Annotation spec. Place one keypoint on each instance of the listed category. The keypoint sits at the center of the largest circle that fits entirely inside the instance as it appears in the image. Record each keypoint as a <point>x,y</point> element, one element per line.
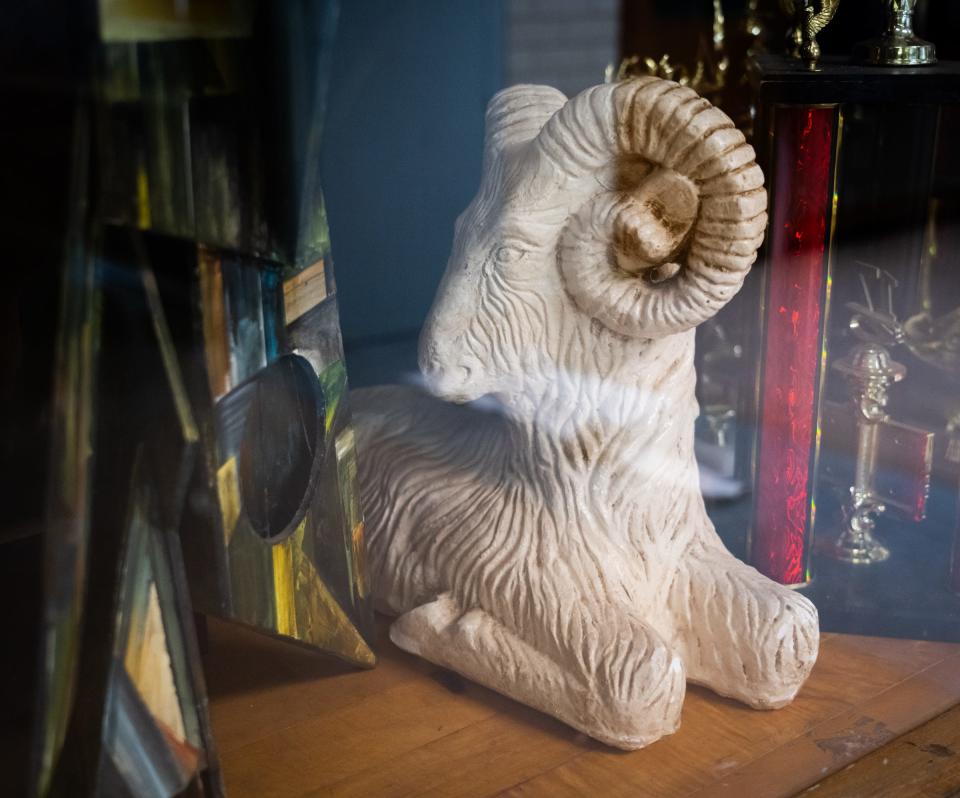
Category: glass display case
<point>202,511</point>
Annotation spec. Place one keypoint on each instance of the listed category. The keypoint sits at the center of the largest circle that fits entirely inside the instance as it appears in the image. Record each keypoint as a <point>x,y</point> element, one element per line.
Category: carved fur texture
<point>551,541</point>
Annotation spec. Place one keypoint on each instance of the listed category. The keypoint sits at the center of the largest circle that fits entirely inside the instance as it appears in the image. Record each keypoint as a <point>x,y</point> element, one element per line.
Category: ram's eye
<point>509,254</point>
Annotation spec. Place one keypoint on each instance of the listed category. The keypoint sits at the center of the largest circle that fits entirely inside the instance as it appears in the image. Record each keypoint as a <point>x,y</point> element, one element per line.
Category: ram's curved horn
<point>661,255</point>
<point>517,114</point>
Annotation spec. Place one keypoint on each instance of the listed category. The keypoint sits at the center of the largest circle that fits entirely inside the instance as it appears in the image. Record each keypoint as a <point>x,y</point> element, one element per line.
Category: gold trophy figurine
<point>809,18</point>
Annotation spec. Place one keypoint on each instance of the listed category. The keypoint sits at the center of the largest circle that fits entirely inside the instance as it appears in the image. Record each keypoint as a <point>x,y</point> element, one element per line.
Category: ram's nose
<point>446,375</point>
<point>430,353</point>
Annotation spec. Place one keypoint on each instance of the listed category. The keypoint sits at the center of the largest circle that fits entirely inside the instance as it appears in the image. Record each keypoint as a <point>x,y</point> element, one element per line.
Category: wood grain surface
<point>923,762</point>
<point>290,722</point>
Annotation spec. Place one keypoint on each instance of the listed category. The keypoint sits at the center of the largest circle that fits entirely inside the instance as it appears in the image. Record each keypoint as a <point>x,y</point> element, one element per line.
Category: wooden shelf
<point>290,722</point>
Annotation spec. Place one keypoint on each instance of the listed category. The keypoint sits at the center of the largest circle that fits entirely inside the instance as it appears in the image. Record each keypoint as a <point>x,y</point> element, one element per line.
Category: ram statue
<point>551,542</point>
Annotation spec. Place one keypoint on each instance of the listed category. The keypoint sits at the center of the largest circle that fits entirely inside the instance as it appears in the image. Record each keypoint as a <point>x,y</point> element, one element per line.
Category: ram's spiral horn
<point>668,246</point>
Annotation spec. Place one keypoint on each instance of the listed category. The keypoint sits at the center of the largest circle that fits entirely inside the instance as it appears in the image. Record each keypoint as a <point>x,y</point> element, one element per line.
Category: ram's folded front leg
<point>742,634</point>
<point>623,686</point>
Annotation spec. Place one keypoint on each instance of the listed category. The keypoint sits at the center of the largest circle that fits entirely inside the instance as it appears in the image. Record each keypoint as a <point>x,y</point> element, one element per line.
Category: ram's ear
<point>516,115</point>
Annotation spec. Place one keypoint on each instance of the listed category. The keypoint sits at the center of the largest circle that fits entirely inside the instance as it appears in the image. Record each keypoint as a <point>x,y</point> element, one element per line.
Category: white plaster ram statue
<point>558,551</point>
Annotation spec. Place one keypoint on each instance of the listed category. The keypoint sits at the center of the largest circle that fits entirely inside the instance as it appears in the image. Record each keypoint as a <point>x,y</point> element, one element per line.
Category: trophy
<point>898,46</point>
<point>892,461</point>
<point>852,450</point>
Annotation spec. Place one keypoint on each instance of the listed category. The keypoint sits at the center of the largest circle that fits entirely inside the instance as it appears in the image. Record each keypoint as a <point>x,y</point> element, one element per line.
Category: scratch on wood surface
<point>865,735</point>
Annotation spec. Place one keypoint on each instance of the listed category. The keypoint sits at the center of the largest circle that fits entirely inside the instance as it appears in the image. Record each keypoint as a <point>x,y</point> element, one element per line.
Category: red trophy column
<point>797,285</point>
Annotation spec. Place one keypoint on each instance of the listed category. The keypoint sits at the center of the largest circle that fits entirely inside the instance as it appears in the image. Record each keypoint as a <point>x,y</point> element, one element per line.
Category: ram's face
<point>487,314</point>
<point>457,353</point>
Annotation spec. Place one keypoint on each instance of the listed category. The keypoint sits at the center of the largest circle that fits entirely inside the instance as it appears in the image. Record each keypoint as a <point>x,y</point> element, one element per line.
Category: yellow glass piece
<point>228,492</point>
<point>283,584</point>
<point>358,561</point>
<point>307,609</point>
<point>147,661</point>
<point>143,199</point>
<point>162,20</point>
<point>216,347</point>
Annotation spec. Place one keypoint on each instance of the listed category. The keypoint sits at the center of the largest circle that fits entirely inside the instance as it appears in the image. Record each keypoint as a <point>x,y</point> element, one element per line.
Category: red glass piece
<point>797,274</point>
